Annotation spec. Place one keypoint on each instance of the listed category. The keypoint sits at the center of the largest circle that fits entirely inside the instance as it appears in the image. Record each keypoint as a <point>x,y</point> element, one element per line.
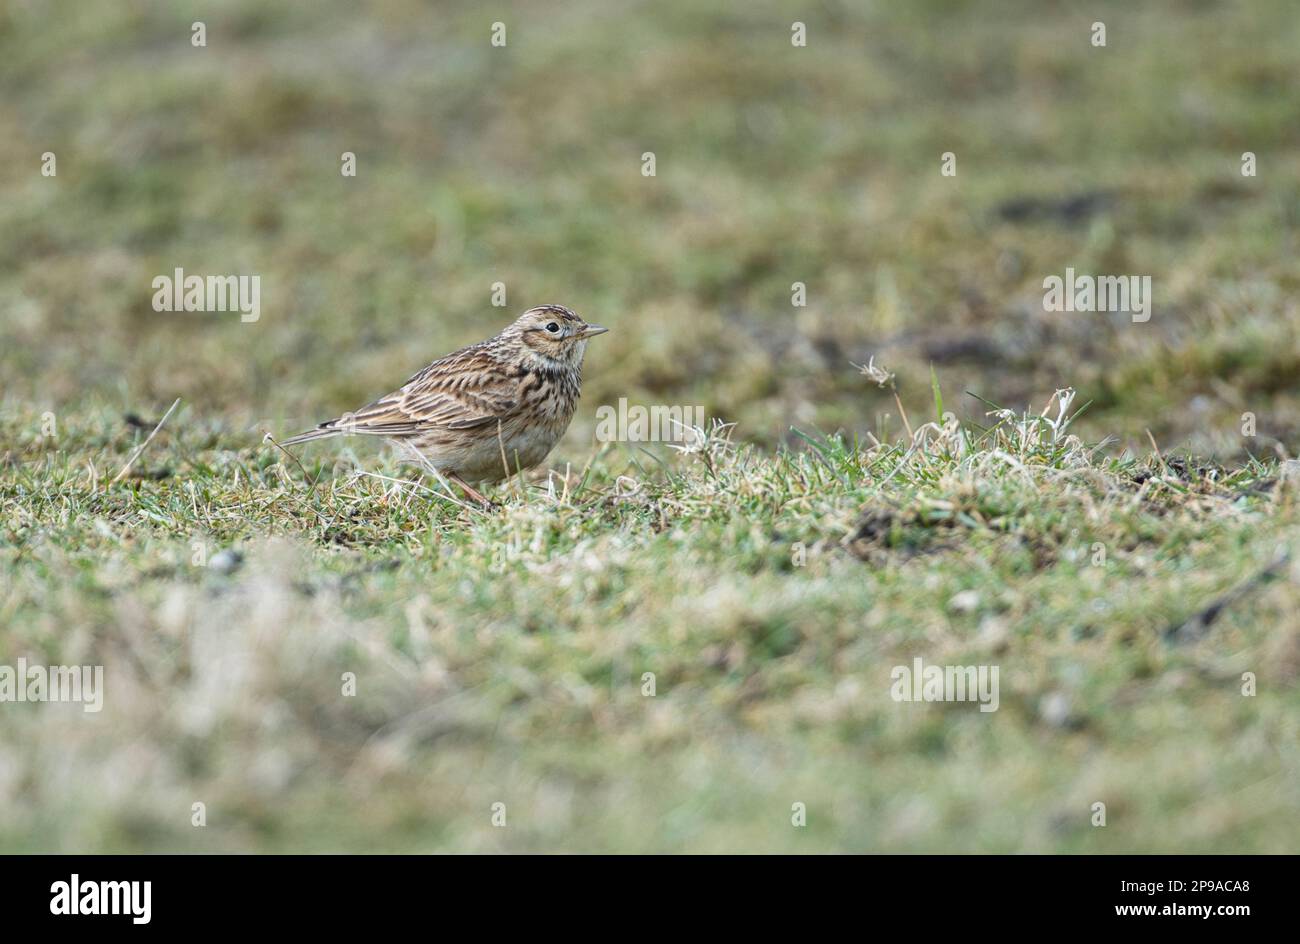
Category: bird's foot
<point>474,494</point>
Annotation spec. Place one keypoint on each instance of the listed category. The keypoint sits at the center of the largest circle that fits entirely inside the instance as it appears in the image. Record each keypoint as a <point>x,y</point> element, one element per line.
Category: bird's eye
<point>552,327</point>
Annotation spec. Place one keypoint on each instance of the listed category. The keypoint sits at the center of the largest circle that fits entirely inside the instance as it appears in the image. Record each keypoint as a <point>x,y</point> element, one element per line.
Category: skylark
<point>486,410</point>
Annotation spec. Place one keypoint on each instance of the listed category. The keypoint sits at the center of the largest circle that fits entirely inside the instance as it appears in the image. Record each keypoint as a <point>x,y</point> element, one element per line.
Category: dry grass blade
<point>139,449</point>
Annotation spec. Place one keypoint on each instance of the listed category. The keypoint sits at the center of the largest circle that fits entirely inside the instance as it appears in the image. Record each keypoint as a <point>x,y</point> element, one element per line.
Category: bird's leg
<point>472,492</point>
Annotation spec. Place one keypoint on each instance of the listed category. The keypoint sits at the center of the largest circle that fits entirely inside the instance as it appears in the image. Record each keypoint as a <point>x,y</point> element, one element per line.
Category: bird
<point>487,410</point>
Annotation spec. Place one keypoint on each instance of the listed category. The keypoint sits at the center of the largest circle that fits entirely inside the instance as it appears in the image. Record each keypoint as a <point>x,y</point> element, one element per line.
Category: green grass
<point>500,656</point>
<point>770,581</point>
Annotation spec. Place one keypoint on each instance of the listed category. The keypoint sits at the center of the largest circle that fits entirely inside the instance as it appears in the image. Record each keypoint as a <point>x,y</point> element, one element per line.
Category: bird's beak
<point>592,330</point>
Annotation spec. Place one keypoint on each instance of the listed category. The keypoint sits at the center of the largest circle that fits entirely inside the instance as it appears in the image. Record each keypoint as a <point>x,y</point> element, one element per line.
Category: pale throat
<point>569,359</point>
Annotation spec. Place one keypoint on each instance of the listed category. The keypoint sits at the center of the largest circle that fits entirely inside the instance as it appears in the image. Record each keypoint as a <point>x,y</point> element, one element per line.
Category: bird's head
<point>555,334</point>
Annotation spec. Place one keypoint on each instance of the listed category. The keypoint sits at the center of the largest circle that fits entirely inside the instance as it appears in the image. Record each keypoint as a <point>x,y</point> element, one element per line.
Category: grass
<point>769,580</point>
<point>501,657</point>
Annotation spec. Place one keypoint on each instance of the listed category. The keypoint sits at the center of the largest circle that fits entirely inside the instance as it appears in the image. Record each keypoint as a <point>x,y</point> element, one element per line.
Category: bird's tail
<point>323,431</point>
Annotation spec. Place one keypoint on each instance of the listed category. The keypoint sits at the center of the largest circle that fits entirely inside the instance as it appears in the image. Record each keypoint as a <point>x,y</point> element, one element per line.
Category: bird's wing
<point>464,390</point>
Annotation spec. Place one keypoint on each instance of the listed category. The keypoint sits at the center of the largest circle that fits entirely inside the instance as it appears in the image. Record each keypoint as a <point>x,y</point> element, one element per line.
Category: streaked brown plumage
<point>514,393</point>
